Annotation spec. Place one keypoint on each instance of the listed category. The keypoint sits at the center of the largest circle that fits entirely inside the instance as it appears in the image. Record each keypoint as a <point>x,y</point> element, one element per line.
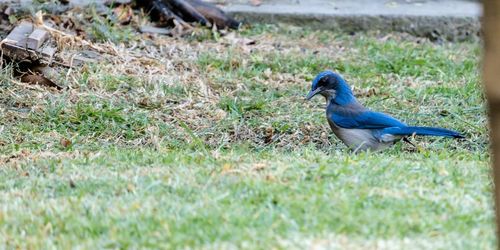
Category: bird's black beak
<point>312,93</point>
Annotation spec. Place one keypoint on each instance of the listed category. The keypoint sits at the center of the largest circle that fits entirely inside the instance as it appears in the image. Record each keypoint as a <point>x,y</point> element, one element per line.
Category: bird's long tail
<point>430,131</point>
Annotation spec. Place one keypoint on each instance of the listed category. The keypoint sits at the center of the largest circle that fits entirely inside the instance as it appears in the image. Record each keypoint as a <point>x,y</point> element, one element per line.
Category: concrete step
<point>436,19</point>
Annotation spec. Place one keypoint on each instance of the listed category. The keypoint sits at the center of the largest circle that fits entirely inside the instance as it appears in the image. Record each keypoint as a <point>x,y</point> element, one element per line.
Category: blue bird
<point>358,127</point>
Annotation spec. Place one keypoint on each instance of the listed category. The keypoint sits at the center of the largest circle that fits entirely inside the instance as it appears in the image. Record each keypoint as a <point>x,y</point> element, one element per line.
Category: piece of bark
<point>214,15</point>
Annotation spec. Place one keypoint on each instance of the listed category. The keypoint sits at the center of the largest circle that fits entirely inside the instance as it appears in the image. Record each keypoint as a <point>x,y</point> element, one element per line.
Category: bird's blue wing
<point>364,120</point>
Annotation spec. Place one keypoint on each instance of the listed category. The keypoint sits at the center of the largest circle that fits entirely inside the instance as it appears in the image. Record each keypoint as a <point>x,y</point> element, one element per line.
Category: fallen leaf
<point>130,188</point>
<point>123,13</point>
<point>259,166</point>
<point>226,167</point>
<point>269,133</point>
<point>65,143</point>
<point>232,38</point>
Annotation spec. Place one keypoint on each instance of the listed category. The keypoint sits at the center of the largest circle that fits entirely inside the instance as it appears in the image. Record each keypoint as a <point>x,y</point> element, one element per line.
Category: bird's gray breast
<point>360,139</point>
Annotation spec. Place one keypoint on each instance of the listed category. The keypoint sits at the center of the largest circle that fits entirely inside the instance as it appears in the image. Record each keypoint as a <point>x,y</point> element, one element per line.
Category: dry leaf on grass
<point>65,143</point>
<point>123,13</point>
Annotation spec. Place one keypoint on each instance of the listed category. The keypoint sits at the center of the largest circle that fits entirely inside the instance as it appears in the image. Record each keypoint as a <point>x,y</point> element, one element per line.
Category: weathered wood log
<point>193,11</point>
<point>186,11</point>
<point>215,15</point>
<point>164,11</point>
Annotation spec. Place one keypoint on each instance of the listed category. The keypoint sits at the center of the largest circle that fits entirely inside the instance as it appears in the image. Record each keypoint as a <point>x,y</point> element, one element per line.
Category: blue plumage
<point>365,120</point>
<point>421,131</point>
<point>359,127</point>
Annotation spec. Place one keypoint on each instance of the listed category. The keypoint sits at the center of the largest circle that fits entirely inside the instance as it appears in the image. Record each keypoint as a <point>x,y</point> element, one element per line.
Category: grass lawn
<point>206,142</point>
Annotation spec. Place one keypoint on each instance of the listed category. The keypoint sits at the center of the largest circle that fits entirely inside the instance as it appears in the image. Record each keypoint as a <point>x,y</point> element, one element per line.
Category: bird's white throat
<point>329,94</point>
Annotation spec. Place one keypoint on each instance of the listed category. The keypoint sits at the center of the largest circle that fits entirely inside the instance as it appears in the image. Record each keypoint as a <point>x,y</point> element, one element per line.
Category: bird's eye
<point>323,81</point>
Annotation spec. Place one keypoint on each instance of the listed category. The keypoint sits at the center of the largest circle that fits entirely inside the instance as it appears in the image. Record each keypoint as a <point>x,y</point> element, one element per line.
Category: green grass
<point>213,147</point>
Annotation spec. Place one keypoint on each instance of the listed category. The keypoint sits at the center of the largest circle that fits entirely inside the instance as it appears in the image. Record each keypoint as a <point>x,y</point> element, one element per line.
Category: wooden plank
<point>48,54</point>
<point>79,60</point>
<point>48,51</point>
<point>18,53</point>
<point>25,43</point>
<point>35,39</point>
<point>491,80</point>
<point>19,33</point>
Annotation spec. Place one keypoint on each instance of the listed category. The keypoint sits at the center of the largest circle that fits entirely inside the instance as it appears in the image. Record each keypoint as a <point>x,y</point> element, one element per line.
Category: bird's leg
<point>358,148</point>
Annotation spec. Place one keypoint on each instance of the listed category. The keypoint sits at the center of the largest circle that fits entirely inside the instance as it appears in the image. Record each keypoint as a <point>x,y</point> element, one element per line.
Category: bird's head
<point>330,85</point>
